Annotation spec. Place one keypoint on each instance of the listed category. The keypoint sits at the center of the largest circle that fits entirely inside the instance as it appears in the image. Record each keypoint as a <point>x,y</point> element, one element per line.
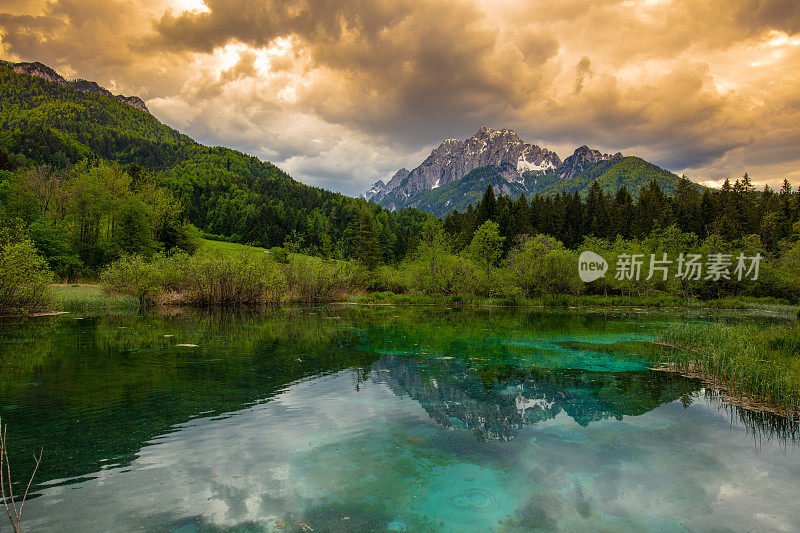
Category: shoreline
<point>91,296</point>
<point>690,367</point>
<point>723,389</point>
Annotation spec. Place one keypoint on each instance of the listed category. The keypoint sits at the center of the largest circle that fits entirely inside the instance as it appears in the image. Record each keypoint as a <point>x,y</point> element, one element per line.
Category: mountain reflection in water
<point>398,419</point>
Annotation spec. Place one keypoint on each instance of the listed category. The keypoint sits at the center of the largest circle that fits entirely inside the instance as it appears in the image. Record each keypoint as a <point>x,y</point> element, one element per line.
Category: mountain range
<point>457,173</point>
<point>48,119</point>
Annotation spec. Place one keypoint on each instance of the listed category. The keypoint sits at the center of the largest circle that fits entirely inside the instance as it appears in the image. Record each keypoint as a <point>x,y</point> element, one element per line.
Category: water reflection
<point>387,419</point>
<point>456,395</point>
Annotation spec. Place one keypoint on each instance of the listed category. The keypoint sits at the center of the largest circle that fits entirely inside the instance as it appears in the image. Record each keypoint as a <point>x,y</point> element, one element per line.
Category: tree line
<point>732,212</point>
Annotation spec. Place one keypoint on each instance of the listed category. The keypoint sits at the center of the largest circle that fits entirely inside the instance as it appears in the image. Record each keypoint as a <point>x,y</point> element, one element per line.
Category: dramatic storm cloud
<point>340,93</point>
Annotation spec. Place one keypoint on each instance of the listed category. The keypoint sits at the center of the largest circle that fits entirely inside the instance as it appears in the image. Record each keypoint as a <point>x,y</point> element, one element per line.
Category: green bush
<point>382,279</point>
<point>24,279</point>
<point>311,280</point>
<point>135,276</point>
<point>279,254</point>
<point>231,280</point>
<point>525,264</point>
<point>226,279</point>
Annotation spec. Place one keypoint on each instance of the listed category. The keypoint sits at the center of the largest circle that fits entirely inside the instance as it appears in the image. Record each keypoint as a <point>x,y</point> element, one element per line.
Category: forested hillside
<point>63,135</point>
<point>633,173</point>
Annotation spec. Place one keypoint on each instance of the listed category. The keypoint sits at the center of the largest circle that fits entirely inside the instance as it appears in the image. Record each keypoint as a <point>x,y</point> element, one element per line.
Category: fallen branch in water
<point>14,513</point>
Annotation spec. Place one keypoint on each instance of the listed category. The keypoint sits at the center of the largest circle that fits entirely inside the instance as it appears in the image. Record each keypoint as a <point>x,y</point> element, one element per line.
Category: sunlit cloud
<point>342,93</point>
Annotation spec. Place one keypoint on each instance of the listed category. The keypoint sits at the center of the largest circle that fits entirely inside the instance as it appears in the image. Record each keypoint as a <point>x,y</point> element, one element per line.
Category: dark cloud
<point>582,70</point>
<point>258,23</point>
<point>342,92</point>
<point>772,14</point>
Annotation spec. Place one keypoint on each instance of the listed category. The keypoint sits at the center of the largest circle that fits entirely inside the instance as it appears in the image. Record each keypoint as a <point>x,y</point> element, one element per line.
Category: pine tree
<point>368,251</point>
<point>487,208</point>
<point>622,212</point>
<point>595,212</point>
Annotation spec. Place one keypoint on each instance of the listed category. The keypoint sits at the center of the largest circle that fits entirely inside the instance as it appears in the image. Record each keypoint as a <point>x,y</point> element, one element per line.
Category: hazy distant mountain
<point>458,172</point>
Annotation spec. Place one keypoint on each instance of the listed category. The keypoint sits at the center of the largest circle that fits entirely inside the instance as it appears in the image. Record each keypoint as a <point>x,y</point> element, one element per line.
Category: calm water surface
<point>389,419</point>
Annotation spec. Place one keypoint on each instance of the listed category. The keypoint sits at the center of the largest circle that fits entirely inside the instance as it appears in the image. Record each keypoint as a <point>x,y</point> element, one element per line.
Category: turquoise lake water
<point>380,419</point>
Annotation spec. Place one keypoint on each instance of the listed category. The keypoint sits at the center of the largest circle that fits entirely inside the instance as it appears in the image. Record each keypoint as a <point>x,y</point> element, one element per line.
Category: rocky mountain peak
<point>582,158</point>
<point>511,166</point>
<point>37,69</point>
<point>380,190</point>
<point>454,159</point>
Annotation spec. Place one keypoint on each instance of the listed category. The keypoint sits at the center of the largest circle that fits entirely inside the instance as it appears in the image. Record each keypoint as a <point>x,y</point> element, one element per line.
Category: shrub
<point>525,264</point>
<point>279,254</point>
<point>559,273</point>
<point>202,279</point>
<point>434,272</point>
<point>24,279</point>
<point>231,280</point>
<point>134,276</point>
<point>383,279</point>
<point>310,280</point>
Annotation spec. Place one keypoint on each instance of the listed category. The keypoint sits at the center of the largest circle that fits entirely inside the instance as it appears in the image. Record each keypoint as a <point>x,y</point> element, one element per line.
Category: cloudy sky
<point>340,93</point>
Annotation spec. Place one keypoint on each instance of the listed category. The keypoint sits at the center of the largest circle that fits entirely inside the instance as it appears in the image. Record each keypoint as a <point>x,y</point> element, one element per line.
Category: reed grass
<point>758,364</point>
<point>216,279</point>
<point>89,297</point>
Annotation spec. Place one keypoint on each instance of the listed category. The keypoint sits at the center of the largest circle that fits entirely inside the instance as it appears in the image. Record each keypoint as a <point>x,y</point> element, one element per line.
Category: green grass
<point>88,297</point>
<point>757,363</point>
<point>228,247</point>
<point>214,246</point>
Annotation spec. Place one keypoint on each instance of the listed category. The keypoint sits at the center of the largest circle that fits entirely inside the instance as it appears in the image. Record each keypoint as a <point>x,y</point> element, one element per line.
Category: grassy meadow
<point>224,247</point>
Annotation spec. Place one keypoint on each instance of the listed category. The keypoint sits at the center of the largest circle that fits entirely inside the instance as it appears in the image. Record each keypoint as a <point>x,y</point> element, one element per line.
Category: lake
<point>380,419</point>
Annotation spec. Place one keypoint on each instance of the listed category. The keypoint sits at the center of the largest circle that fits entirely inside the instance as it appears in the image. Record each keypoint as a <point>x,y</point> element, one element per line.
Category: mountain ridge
<point>512,167</point>
<point>40,70</point>
<point>222,191</point>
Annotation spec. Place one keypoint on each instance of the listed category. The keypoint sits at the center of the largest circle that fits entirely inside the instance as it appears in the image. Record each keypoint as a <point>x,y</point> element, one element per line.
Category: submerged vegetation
<point>758,365</point>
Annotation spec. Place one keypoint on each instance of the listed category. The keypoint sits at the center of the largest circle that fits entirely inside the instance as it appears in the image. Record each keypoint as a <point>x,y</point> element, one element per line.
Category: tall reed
<point>759,363</point>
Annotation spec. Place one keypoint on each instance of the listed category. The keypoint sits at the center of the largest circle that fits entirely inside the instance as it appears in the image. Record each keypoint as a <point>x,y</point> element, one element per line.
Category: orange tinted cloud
<point>342,92</point>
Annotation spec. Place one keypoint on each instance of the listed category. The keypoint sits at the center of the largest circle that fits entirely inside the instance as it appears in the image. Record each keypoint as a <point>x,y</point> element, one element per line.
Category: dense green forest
<point>54,139</point>
<point>509,251</point>
<point>733,212</point>
<point>87,181</point>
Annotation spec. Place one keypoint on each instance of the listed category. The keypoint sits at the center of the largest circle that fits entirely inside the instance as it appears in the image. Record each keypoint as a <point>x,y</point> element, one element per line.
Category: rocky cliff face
<point>43,71</point>
<point>454,159</point>
<point>513,159</point>
<point>380,190</point>
<point>37,69</point>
